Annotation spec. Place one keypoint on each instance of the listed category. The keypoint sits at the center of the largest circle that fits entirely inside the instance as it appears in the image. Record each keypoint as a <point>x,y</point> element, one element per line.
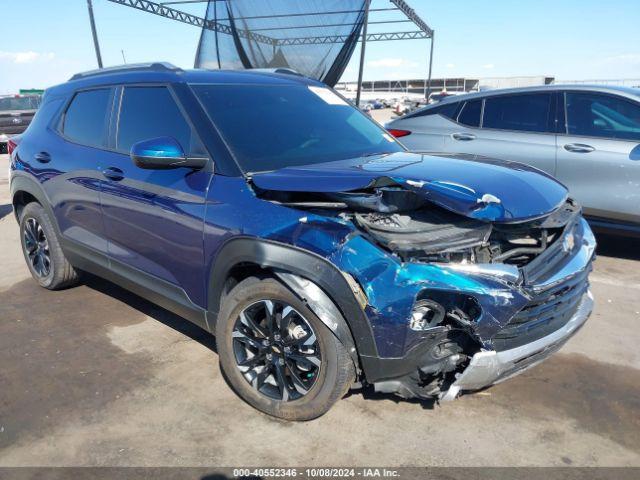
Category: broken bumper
<point>490,367</point>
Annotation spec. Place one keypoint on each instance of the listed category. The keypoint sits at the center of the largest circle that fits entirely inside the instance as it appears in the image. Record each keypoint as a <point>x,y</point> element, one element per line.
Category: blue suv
<point>269,211</point>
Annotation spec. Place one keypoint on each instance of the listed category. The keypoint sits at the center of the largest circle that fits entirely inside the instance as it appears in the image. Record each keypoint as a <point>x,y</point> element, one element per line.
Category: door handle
<point>113,173</point>
<point>463,137</point>
<point>578,148</point>
<point>42,157</point>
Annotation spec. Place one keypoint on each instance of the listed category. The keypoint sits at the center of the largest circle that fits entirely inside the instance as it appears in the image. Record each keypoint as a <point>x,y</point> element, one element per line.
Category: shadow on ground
<point>618,246</point>
<point>5,210</point>
<point>152,310</point>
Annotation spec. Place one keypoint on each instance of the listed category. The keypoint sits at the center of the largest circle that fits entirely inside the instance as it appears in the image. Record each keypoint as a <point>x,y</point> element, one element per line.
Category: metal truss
<point>424,32</point>
<point>180,16</point>
<point>413,16</point>
<point>371,37</point>
<point>184,17</point>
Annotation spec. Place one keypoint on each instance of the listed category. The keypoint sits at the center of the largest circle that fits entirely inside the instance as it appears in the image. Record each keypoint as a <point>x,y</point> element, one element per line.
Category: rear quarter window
<point>446,110</point>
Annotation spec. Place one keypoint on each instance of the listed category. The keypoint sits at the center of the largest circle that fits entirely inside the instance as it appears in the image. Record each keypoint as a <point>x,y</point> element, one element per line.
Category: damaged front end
<point>463,288</point>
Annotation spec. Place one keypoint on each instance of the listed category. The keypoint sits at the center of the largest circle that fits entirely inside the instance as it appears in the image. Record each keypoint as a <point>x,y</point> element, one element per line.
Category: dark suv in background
<point>16,113</point>
<point>266,209</point>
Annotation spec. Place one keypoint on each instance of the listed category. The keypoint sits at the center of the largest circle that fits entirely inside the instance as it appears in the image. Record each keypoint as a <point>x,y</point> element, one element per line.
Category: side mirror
<point>163,153</point>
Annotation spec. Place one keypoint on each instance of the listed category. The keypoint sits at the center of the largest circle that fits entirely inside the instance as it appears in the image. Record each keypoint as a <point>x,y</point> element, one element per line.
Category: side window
<point>86,119</point>
<point>528,113</point>
<point>597,115</point>
<point>151,112</point>
<point>447,110</point>
<point>470,113</point>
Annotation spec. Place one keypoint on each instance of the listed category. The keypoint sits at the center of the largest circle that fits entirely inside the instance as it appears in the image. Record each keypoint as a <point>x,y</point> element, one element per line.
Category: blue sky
<point>44,42</point>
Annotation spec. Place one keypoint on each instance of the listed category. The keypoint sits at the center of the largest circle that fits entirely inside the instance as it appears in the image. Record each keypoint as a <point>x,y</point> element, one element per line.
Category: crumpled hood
<point>477,187</point>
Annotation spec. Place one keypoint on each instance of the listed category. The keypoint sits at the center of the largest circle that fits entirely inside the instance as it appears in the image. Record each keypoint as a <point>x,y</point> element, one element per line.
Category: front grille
<point>545,313</point>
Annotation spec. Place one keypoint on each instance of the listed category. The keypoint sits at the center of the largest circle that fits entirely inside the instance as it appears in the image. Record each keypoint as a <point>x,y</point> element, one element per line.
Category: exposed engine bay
<point>416,230</point>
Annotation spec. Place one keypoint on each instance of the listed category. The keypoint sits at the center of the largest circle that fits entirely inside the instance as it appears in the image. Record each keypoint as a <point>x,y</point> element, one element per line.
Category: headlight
<point>426,314</point>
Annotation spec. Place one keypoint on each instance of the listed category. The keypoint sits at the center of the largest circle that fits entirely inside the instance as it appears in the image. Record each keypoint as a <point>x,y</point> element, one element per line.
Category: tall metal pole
<point>362,49</point>
<point>428,93</point>
<point>96,44</point>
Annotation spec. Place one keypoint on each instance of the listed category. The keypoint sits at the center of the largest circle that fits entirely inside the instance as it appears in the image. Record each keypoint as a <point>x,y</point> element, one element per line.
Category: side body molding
<point>294,265</point>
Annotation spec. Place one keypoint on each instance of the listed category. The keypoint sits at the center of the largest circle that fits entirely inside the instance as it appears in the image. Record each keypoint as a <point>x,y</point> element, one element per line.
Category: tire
<point>51,269</point>
<point>330,379</point>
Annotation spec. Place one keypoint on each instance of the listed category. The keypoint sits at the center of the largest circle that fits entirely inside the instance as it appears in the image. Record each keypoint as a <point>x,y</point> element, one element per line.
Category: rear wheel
<point>42,251</point>
<point>277,355</point>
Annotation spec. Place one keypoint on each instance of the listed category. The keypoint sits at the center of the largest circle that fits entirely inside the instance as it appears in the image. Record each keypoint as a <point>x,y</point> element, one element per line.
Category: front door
<point>154,219</point>
<point>599,155</point>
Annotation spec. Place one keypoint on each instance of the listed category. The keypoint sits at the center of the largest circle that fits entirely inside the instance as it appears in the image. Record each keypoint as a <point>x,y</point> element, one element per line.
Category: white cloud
<point>26,57</point>
<point>623,59</point>
<point>488,66</point>
<point>451,65</point>
<point>391,63</point>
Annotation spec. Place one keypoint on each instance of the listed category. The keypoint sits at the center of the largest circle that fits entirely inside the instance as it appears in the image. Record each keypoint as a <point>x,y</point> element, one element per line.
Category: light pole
<point>362,50</point>
<point>96,44</point>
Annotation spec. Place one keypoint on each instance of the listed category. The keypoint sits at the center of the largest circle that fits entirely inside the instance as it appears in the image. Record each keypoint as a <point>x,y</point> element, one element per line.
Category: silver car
<point>586,136</point>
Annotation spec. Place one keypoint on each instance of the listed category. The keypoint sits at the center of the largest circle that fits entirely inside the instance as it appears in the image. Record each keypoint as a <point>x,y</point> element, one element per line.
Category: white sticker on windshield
<point>328,96</point>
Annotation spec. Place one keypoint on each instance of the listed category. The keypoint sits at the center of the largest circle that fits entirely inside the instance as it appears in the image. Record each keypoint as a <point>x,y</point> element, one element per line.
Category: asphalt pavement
<point>97,376</point>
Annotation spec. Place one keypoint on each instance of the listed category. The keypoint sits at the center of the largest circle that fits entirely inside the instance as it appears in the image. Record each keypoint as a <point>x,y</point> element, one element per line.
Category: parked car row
<point>586,136</point>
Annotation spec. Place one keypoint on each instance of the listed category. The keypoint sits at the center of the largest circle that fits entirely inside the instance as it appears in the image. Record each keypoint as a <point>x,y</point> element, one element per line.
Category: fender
<point>324,308</point>
<point>23,182</point>
<point>287,259</point>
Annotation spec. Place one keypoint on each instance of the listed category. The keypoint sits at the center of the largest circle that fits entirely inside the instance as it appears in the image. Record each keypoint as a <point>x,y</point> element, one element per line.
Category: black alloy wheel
<point>36,247</point>
<point>276,350</point>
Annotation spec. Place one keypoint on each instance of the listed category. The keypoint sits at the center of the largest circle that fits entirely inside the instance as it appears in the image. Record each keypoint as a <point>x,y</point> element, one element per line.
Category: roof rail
<point>131,67</point>
<point>284,70</point>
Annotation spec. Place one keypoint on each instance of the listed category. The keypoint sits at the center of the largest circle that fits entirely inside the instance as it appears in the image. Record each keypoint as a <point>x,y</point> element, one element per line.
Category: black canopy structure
<point>316,21</point>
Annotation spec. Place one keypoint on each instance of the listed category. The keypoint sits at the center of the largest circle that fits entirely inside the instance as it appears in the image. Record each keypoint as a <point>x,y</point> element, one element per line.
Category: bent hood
<point>477,187</point>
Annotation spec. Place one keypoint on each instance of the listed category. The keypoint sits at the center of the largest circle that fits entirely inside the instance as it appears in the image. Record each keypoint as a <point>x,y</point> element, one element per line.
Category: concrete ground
<point>97,376</point>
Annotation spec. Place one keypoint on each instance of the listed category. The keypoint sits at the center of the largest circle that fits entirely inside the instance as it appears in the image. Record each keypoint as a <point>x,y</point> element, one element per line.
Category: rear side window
<point>529,113</point>
<point>86,119</point>
<point>597,115</point>
<point>470,113</point>
<point>152,112</point>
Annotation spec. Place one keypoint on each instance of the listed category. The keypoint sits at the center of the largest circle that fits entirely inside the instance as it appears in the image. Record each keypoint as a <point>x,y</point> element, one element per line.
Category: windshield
<point>19,103</point>
<point>271,127</point>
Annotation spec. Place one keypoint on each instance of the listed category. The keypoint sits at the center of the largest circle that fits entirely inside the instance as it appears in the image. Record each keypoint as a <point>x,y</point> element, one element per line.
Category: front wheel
<point>277,355</point>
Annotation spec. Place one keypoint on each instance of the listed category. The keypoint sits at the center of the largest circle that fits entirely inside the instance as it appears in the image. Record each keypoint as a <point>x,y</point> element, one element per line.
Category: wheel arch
<point>25,190</point>
<point>290,265</point>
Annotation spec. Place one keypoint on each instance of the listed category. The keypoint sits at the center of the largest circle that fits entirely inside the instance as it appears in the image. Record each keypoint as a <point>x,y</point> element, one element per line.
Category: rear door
<point>599,154</point>
<point>516,127</point>
<point>68,164</point>
<point>154,219</point>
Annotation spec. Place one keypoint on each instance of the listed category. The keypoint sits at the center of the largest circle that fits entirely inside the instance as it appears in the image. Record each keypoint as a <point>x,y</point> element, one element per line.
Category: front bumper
<point>489,367</point>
